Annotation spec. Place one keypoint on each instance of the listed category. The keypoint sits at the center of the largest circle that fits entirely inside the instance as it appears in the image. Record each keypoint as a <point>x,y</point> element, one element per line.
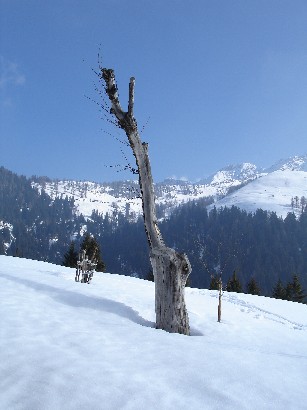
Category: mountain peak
<point>238,174</point>
<point>295,163</point>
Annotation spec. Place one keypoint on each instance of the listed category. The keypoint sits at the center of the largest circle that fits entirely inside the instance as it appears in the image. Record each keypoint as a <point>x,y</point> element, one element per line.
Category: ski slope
<point>67,345</point>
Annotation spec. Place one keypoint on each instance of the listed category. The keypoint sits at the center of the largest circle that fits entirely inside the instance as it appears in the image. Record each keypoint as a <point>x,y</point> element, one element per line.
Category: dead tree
<point>170,268</point>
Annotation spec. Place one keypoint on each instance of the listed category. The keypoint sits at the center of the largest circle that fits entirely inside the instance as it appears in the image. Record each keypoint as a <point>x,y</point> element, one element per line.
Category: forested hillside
<point>32,225</point>
<point>261,246</point>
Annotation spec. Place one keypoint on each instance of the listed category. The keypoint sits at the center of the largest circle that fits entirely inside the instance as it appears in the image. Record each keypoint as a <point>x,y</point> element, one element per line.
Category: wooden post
<point>219,309</point>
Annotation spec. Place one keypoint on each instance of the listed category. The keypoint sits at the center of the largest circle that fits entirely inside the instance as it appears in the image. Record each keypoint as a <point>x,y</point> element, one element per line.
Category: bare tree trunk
<point>170,268</point>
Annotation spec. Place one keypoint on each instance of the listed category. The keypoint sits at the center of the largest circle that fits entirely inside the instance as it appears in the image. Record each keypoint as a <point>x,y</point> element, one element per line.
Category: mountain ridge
<point>124,197</point>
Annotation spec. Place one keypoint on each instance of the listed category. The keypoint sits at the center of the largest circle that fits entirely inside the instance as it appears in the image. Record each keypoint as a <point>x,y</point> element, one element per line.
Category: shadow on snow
<point>74,299</point>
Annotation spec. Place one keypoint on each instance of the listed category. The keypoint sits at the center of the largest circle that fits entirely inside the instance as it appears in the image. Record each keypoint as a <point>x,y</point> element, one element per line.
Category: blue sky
<point>217,82</point>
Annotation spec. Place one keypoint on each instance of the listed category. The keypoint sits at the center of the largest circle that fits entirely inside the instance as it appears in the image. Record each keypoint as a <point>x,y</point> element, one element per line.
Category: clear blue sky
<point>217,82</point>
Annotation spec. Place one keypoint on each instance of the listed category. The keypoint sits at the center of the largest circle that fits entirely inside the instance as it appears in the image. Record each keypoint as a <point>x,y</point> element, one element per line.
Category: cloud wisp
<point>10,74</point>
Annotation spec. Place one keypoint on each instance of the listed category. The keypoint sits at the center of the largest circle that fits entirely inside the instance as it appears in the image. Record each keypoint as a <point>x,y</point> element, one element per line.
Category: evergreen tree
<point>253,288</point>
<point>214,283</point>
<point>2,249</point>
<point>91,246</point>
<point>289,292</point>
<point>297,290</point>
<point>279,291</point>
<point>233,284</point>
<point>71,256</point>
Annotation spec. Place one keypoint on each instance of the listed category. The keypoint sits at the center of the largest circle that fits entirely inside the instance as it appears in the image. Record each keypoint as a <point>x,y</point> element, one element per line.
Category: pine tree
<point>214,283</point>
<point>2,249</point>
<point>279,291</point>
<point>297,290</point>
<point>91,246</point>
<point>71,256</point>
<point>289,292</point>
<point>253,288</point>
<point>233,284</point>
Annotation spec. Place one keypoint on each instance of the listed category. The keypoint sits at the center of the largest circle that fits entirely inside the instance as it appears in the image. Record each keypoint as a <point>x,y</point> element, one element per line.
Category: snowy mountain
<point>112,198</point>
<point>233,175</point>
<point>244,185</point>
<point>297,163</point>
<point>67,345</point>
<point>281,189</point>
<point>123,196</point>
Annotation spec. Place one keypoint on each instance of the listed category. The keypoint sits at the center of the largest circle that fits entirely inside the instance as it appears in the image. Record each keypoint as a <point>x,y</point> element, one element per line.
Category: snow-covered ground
<point>67,345</point>
<point>272,192</point>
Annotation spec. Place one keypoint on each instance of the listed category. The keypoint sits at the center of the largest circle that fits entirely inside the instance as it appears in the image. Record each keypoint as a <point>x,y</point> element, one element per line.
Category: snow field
<point>272,192</point>
<point>67,345</point>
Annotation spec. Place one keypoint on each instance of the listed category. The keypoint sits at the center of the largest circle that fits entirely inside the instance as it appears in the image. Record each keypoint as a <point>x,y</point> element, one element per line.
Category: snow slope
<point>67,345</point>
<point>272,192</point>
<point>115,197</point>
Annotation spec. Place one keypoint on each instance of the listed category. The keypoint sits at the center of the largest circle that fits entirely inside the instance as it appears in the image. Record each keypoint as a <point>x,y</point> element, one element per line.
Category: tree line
<point>292,291</point>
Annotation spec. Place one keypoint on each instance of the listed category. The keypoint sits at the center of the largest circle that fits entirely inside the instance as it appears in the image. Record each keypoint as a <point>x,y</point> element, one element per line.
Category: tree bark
<point>170,268</point>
